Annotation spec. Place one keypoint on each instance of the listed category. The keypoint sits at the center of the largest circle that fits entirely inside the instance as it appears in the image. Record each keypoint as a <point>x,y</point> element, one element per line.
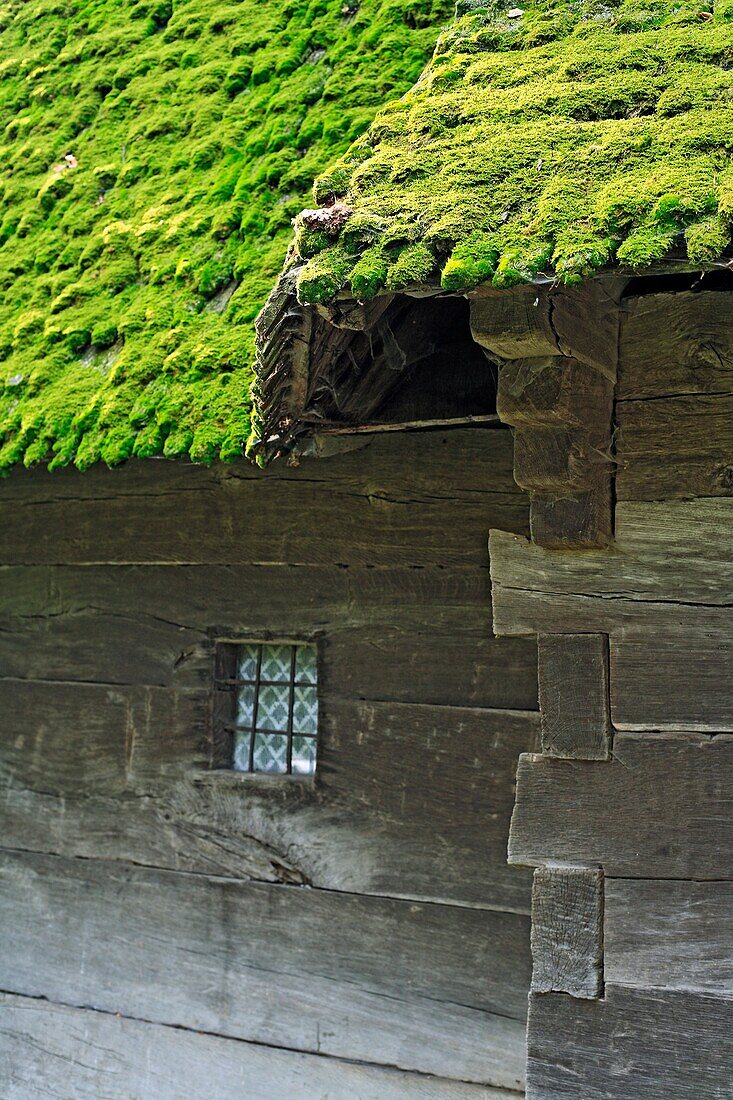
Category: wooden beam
<point>661,808</point>
<point>632,1044</point>
<point>79,1054</point>
<point>567,932</point>
<point>396,986</point>
<point>388,504</point>
<point>574,700</point>
<point>664,934</point>
<point>562,410</point>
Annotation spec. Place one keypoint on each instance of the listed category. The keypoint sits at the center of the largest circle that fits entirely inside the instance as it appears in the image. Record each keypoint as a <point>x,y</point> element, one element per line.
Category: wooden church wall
<point>626,814</point>
<point>154,910</point>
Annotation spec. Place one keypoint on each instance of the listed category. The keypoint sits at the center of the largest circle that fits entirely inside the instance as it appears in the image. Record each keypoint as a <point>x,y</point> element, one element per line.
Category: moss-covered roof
<point>550,139</point>
<point>152,156</point>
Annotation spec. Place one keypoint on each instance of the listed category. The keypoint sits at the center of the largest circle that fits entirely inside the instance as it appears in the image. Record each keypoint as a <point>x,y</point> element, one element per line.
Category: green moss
<point>574,136</point>
<point>152,156</point>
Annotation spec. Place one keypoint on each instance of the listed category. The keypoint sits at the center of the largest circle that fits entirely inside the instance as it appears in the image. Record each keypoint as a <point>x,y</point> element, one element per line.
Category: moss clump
<point>553,141</point>
<point>152,156</point>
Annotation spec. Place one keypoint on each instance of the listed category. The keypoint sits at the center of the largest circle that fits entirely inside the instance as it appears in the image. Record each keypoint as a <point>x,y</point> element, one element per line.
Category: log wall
<point>627,814</point>
<point>167,927</point>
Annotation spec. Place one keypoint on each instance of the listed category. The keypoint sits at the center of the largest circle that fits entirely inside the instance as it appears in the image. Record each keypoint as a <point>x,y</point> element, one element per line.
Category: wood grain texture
<point>631,1044</point>
<point>412,635</point>
<point>677,551</point>
<point>79,1054</point>
<point>574,701</point>
<point>567,932</point>
<point>122,773</point>
<point>562,457</point>
<point>668,578</point>
<point>675,447</point>
<point>512,325</point>
<point>390,503</point>
<point>670,935</point>
<point>676,344</point>
<point>367,979</point>
<point>660,808</point>
<point>675,397</point>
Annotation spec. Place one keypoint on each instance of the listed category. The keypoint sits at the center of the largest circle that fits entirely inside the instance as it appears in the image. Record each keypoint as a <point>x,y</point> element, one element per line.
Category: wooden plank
<point>512,324</point>
<point>75,739</point>
<point>574,701</point>
<point>411,635</point>
<point>659,1046</point>
<point>682,680</point>
<point>670,935</point>
<point>669,577</point>
<point>566,520</point>
<point>79,1054</point>
<point>567,932</point>
<point>422,499</point>
<point>675,447</point>
<point>661,808</point>
<point>676,344</point>
<point>122,773</point>
<point>675,551</point>
<point>420,987</point>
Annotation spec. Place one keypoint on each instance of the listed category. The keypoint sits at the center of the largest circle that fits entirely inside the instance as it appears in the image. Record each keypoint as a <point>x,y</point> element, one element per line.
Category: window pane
<point>271,752</point>
<point>240,762</point>
<point>305,710</point>
<point>273,705</point>
<point>276,663</point>
<point>304,755</point>
<point>247,663</point>
<point>245,705</point>
<point>305,663</point>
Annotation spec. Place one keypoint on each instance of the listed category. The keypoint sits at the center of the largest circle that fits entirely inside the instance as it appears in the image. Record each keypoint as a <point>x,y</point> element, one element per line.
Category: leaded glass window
<point>267,707</point>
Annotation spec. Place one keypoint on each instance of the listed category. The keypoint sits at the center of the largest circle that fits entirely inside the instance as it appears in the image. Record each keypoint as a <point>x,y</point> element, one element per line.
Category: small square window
<point>266,707</point>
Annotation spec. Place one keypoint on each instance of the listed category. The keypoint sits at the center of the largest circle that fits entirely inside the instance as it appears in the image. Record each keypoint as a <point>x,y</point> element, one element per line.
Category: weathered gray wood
<point>573,690</point>
<point>676,344</point>
<point>122,773</point>
<point>674,405</point>
<point>661,808</point>
<point>670,935</point>
<point>676,551</point>
<point>514,324</point>
<point>668,581</point>
<point>675,447</point>
<point>586,321</point>
<point>79,1054</point>
<point>632,1044</point>
<point>564,519</point>
<point>388,504</point>
<point>423,987</point>
<point>562,456</point>
<point>413,635</point>
<point>567,931</point>
<point>582,322</point>
<point>675,677</point>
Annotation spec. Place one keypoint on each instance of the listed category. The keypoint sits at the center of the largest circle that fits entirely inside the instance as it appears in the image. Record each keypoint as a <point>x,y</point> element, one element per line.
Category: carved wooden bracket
<point>557,351</point>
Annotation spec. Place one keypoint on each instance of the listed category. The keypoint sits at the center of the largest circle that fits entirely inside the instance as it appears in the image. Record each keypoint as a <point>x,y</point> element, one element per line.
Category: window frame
<point>224,705</point>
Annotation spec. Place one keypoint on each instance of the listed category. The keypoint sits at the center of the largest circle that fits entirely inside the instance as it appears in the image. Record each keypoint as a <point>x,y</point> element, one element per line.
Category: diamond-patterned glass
<point>273,707</point>
<point>305,664</point>
<point>305,710</point>
<point>276,663</point>
<point>247,663</point>
<point>304,755</point>
<point>273,721</point>
<point>240,760</point>
<point>271,752</point>
<point>245,705</point>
